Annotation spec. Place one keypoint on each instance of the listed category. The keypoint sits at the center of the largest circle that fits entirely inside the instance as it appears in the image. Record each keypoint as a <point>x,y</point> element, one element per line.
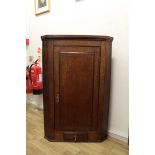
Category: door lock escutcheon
<point>57,99</point>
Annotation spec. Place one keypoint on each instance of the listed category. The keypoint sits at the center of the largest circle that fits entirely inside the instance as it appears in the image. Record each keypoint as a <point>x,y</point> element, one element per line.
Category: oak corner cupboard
<point>76,80</point>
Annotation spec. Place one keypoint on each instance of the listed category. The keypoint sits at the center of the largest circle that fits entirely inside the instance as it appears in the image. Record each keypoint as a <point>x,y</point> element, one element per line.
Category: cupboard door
<point>76,77</point>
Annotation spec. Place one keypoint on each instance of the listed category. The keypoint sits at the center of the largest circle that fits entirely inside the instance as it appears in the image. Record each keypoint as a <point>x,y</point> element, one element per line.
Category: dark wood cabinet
<point>76,81</point>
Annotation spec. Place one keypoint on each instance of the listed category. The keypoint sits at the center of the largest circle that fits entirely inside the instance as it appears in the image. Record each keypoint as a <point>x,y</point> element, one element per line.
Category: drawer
<point>75,137</point>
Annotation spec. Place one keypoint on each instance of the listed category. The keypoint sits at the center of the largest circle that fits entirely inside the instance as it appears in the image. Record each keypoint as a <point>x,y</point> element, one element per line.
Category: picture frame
<point>42,6</point>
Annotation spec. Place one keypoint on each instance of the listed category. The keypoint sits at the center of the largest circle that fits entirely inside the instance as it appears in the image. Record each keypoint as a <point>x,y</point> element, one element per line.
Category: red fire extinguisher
<point>36,78</point>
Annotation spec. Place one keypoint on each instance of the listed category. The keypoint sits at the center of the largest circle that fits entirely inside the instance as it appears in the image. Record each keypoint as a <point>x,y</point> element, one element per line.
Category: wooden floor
<point>37,145</point>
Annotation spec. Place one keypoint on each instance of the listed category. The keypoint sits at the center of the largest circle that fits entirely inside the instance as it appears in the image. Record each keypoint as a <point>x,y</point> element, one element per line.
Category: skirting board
<point>118,137</point>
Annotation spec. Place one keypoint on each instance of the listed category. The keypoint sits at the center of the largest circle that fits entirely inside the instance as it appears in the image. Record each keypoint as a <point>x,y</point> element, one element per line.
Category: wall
<point>95,17</point>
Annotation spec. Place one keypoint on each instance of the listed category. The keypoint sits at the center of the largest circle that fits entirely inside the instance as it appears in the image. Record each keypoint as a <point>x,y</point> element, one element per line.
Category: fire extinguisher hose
<point>30,73</point>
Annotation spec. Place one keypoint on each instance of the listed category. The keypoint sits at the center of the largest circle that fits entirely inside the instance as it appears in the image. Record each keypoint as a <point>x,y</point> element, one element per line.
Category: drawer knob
<point>75,138</point>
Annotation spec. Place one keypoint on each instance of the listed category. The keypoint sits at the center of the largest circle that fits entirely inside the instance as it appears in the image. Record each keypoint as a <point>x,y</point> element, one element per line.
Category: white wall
<point>94,17</point>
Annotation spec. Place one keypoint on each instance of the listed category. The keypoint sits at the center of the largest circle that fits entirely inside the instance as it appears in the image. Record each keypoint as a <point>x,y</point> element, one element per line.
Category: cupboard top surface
<point>77,37</point>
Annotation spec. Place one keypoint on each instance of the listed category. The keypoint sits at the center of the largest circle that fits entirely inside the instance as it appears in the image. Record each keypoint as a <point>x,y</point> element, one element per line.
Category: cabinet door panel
<point>76,75</point>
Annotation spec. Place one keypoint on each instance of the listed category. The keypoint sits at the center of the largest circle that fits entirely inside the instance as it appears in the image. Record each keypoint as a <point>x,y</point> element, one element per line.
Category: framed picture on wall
<point>42,6</point>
